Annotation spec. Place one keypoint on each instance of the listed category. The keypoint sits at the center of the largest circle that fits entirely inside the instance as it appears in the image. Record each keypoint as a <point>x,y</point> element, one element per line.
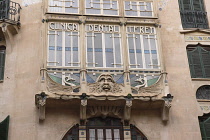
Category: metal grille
<point>9,11</point>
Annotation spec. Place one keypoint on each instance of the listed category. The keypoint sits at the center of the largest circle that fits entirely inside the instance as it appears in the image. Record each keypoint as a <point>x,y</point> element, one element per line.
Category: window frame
<point>63,46</point>
<point>193,18</point>
<point>2,62</point>
<point>142,45</point>
<point>190,49</point>
<point>63,8</point>
<point>103,47</point>
<point>138,10</point>
<point>102,9</point>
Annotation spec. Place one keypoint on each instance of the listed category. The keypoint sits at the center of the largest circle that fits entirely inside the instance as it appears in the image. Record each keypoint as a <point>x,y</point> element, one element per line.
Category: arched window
<point>104,129</point>
<point>2,62</point>
<point>199,60</point>
<point>203,92</point>
<point>72,134</point>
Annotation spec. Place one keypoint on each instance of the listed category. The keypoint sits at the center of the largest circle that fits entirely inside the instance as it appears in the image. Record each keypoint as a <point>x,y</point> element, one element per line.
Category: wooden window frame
<point>190,49</point>
<point>2,62</point>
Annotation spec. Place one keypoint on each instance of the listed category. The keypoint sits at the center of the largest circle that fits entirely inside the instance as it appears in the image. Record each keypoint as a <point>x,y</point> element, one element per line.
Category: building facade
<point>104,69</point>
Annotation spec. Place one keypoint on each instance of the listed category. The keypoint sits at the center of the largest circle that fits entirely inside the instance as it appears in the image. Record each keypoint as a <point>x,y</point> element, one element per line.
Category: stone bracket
<point>166,107</point>
<point>83,110</point>
<point>127,111</point>
<point>41,104</point>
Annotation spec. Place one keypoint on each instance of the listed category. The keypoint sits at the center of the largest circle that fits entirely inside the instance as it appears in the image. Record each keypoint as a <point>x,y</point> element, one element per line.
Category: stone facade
<point>41,109</point>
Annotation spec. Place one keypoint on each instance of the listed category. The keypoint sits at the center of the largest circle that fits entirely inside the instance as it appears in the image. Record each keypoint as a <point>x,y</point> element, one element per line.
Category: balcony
<point>10,12</point>
<point>194,19</point>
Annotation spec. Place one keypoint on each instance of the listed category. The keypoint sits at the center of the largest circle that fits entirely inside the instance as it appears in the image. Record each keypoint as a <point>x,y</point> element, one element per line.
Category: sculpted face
<point>106,82</point>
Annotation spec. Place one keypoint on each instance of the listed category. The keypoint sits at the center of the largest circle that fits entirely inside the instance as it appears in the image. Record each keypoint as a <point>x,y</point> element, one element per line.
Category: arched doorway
<point>104,129</point>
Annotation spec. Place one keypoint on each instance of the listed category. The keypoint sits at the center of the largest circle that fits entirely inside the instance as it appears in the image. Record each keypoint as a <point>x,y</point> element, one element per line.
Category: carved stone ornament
<point>40,103</point>
<point>166,107</point>
<point>94,111</point>
<point>83,110</point>
<point>83,102</point>
<point>57,88</point>
<point>105,83</point>
<point>151,91</point>
<point>128,103</point>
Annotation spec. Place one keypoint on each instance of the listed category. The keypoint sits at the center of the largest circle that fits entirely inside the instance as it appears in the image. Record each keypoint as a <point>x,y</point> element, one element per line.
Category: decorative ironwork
<point>194,19</point>
<point>10,11</point>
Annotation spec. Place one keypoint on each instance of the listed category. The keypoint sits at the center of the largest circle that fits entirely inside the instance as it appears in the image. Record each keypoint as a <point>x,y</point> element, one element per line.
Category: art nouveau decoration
<point>57,88</point>
<point>104,84</point>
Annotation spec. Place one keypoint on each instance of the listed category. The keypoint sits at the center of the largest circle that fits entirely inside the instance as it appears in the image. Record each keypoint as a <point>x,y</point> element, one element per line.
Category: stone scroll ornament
<point>105,83</point>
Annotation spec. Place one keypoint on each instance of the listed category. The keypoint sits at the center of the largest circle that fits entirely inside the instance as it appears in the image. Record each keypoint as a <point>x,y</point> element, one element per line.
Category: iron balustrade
<point>194,19</point>
<point>10,11</point>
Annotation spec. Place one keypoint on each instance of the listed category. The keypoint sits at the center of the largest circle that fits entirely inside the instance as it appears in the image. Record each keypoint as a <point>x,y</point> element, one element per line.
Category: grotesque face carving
<point>106,81</point>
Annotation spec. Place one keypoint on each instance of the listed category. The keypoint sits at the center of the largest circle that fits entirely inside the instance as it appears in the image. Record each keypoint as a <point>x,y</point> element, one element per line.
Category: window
<point>102,7</point>
<point>64,6</point>
<point>203,92</point>
<point>138,8</point>
<point>142,47</point>
<point>63,49</point>
<point>104,129</point>
<point>72,134</point>
<point>204,122</point>
<point>199,61</point>
<point>2,61</point>
<point>103,46</point>
<point>193,14</point>
<point>4,128</point>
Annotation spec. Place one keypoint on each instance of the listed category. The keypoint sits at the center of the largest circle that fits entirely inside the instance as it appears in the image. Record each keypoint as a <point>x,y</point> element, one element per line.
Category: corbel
<point>41,103</point>
<point>83,108</point>
<point>127,109</point>
<point>166,107</point>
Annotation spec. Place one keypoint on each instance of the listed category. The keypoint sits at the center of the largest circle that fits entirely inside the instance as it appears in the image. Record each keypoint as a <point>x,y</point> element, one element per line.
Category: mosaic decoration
<point>68,79</point>
<point>197,38</point>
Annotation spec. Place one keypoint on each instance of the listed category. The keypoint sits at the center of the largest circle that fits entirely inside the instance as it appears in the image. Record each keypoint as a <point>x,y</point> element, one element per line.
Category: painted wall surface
<point>24,58</point>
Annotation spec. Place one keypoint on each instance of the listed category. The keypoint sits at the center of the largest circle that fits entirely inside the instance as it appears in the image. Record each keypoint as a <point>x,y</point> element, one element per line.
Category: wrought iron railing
<point>194,19</point>
<point>10,11</point>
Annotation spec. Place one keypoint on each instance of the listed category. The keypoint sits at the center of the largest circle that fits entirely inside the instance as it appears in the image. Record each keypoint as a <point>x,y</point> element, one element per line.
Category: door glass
<point>116,134</point>
<point>92,134</point>
<point>100,134</point>
<point>108,134</point>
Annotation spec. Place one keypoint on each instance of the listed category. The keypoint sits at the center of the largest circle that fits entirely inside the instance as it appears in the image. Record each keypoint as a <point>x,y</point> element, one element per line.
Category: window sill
<point>200,79</point>
<point>203,100</point>
<point>98,15</point>
<point>187,30</point>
